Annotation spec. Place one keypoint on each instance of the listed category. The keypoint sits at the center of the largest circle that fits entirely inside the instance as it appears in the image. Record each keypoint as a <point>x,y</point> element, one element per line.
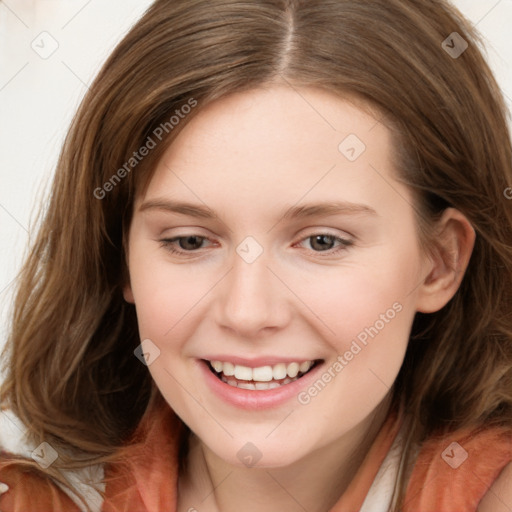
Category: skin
<point>499,496</point>
<point>249,157</point>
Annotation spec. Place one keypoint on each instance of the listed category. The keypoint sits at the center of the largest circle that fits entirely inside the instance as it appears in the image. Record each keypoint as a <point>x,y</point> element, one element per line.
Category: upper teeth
<point>261,373</point>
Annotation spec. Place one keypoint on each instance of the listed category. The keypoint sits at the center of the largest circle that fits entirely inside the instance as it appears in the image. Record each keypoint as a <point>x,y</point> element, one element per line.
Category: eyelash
<point>168,244</point>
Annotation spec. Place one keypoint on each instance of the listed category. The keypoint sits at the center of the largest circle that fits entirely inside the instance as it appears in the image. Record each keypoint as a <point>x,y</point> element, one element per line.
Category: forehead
<point>279,118</point>
<point>278,144</point>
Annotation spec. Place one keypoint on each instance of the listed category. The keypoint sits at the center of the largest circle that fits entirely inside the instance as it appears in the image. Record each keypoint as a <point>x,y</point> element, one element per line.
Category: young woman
<point>275,272</point>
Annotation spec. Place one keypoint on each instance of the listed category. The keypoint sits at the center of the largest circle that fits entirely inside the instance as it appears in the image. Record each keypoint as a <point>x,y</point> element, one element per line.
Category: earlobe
<point>454,245</point>
<point>128,294</point>
<point>127,287</point>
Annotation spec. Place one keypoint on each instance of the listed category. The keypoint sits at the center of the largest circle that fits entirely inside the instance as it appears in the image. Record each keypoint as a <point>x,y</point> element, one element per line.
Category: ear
<point>454,244</point>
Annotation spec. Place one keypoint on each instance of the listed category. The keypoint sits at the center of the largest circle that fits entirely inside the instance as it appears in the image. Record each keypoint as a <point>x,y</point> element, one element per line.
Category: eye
<point>187,245</point>
<point>324,242</point>
<point>191,240</point>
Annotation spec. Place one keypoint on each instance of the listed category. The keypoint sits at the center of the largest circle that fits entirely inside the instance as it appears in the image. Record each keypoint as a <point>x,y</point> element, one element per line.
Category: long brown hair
<point>72,377</point>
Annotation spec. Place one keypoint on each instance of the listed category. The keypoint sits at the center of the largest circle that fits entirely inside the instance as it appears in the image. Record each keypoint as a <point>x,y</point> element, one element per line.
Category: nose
<point>252,298</point>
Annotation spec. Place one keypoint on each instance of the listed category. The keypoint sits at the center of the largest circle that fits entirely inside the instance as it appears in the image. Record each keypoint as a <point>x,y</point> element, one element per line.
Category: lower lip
<point>256,399</point>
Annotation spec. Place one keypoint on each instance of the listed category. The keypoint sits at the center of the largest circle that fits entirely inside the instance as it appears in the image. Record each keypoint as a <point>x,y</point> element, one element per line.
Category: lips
<point>253,395</point>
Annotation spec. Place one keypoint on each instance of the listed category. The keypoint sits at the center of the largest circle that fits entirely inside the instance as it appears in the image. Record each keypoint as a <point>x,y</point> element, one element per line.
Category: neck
<point>313,483</point>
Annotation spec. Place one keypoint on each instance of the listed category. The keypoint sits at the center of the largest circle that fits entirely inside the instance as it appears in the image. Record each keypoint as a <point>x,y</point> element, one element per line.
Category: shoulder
<point>462,469</point>
<point>499,496</point>
<point>23,488</point>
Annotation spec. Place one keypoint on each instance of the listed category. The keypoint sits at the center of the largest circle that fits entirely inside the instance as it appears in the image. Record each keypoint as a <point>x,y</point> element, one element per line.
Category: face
<point>268,285</point>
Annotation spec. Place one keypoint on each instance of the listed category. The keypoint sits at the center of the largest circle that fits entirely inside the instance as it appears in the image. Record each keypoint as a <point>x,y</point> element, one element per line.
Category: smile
<point>262,377</point>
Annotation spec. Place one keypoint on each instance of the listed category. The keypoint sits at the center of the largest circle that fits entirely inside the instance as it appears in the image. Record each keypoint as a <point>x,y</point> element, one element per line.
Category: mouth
<point>262,377</point>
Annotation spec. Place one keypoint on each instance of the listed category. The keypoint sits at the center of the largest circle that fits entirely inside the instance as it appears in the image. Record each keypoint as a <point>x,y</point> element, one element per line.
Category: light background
<point>38,96</point>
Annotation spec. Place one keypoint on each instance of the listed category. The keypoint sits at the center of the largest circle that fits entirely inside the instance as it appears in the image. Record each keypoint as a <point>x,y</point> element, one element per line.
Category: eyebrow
<point>290,213</point>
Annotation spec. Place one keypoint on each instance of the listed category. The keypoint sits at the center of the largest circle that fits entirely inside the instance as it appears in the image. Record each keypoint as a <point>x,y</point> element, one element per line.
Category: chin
<point>259,455</point>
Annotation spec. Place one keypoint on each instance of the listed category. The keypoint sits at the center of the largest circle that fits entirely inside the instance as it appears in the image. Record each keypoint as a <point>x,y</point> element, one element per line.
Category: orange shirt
<point>451,474</point>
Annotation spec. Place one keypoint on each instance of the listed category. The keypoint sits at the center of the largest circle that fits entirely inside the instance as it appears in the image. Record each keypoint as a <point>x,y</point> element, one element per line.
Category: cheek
<point>164,292</point>
<point>368,337</point>
<point>351,299</point>
<point>368,324</point>
<point>365,312</point>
